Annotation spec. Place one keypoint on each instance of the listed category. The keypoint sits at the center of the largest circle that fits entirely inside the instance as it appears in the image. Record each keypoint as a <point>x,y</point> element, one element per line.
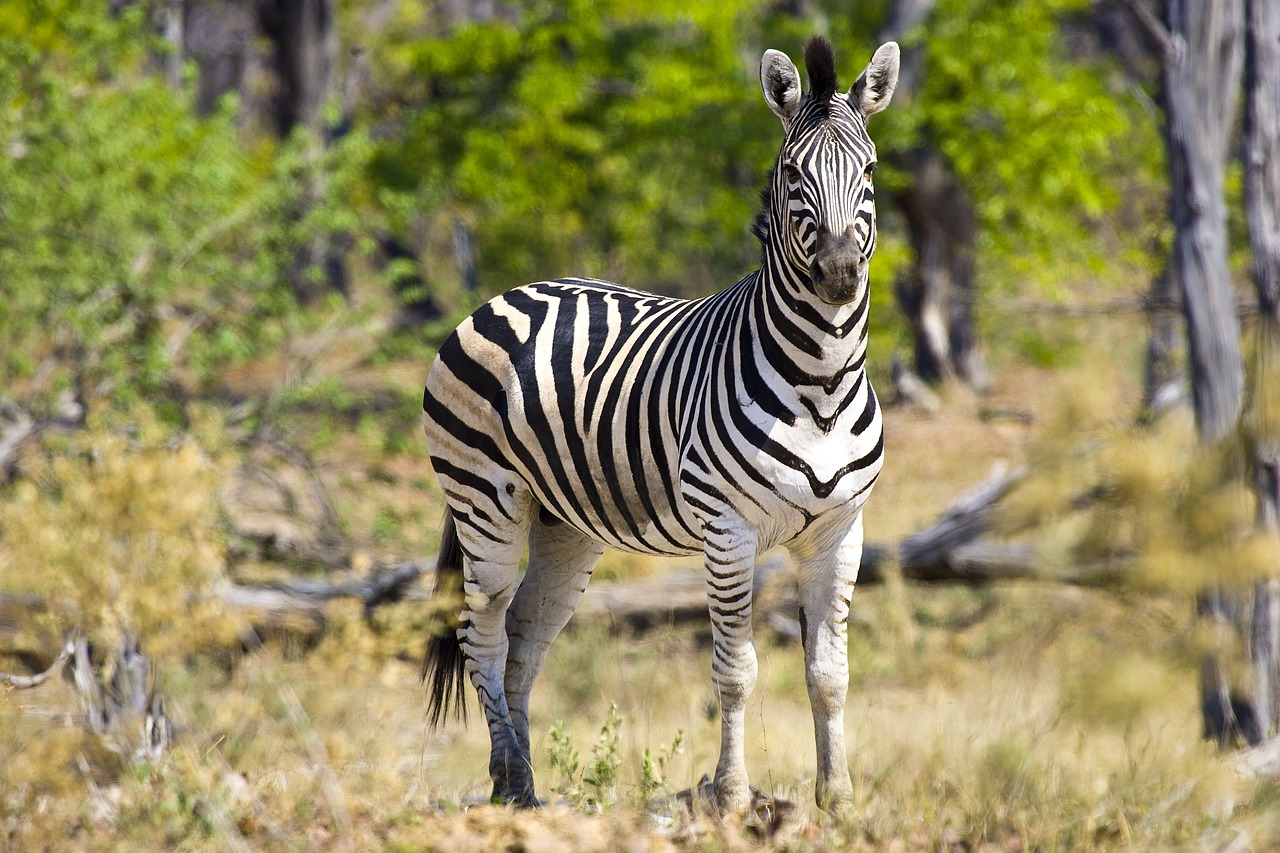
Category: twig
<point>1151,25</point>
<point>22,427</point>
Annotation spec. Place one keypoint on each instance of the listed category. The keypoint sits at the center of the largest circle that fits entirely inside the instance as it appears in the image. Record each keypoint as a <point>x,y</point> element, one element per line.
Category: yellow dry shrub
<point>120,534</point>
<point>1122,689</point>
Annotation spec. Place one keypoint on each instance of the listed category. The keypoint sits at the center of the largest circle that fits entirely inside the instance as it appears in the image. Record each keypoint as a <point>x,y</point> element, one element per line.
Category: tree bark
<point>1201,78</point>
<point>937,294</point>
<point>299,63</point>
<point>1262,207</point>
<point>1202,49</point>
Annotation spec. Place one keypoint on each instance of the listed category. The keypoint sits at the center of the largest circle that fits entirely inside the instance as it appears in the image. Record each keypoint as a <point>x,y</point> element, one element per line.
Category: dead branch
<point>127,714</point>
<point>26,682</point>
<point>19,427</point>
<point>964,521</point>
<point>308,597</point>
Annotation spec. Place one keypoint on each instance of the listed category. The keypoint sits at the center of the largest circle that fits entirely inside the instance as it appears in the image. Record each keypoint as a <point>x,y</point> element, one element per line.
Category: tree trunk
<point>220,36</point>
<point>305,40</point>
<point>304,37</point>
<point>1262,207</point>
<point>223,36</point>
<point>1201,77</point>
<point>1203,53</point>
<point>937,294</point>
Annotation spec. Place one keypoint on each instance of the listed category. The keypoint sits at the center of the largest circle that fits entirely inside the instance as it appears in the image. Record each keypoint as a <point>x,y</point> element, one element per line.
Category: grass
<point>1015,716</point>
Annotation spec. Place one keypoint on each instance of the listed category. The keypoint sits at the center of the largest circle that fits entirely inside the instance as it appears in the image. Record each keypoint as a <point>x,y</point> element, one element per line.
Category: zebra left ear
<point>781,83</point>
<point>874,88</point>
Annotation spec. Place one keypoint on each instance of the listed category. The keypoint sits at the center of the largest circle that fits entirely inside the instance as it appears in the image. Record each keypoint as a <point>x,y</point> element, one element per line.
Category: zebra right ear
<point>781,83</point>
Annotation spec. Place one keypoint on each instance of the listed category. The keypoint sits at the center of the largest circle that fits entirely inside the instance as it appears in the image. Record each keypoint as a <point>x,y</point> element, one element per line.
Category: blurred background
<point>233,233</point>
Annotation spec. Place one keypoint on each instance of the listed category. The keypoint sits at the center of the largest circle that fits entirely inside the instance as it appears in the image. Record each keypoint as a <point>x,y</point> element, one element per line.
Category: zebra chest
<point>782,476</point>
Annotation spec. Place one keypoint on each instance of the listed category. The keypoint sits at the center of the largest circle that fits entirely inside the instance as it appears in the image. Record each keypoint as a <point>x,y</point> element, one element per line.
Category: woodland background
<point>232,233</point>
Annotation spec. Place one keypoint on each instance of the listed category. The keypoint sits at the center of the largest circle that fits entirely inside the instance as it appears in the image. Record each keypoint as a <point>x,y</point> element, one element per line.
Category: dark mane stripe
<point>820,62</point>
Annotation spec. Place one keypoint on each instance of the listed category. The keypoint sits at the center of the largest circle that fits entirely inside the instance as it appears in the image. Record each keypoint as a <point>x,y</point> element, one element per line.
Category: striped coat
<point>575,415</point>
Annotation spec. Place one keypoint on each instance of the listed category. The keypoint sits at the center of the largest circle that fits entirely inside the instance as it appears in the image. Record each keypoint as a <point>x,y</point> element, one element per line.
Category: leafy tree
<point>623,139</point>
<point>141,245</point>
<point>615,139</point>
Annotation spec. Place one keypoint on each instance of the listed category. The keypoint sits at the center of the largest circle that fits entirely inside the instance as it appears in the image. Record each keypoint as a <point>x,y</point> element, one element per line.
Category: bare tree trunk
<point>304,33</point>
<point>1202,51</point>
<point>1132,33</point>
<point>220,36</point>
<point>1262,206</point>
<point>937,295</point>
<point>1201,77</point>
<point>224,37</point>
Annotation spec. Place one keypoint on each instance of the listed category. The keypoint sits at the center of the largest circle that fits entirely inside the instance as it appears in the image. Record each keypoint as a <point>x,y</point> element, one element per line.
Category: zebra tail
<point>443,667</point>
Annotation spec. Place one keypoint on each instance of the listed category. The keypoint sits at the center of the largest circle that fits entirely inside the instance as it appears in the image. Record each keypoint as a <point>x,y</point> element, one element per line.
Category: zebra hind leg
<point>560,563</point>
<point>490,561</point>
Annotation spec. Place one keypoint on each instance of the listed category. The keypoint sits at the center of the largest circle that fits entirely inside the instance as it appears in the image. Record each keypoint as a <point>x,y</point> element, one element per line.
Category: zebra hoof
<point>732,797</point>
<point>524,800</point>
<point>835,800</point>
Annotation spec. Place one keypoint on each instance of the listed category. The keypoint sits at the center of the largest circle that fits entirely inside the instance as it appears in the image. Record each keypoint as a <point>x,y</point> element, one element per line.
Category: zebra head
<point>822,216</point>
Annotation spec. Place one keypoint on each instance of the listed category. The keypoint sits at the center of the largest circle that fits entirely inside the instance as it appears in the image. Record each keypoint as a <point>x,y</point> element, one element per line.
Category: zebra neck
<point>818,349</point>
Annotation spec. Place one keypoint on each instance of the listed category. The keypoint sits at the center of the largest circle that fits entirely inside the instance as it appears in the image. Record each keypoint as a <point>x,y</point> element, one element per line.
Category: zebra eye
<point>791,173</point>
<point>869,171</point>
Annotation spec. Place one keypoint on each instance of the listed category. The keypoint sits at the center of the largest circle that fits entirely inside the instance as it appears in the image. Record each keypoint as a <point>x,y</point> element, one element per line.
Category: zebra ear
<point>874,88</point>
<point>781,83</point>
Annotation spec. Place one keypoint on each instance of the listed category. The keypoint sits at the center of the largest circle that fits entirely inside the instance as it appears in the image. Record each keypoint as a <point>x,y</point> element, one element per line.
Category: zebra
<point>575,415</point>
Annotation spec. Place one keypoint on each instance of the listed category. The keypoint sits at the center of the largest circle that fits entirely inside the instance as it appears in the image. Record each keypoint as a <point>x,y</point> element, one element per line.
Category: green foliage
<point>1044,142</point>
<point>626,140</point>
<point>141,244</point>
<point>621,139</point>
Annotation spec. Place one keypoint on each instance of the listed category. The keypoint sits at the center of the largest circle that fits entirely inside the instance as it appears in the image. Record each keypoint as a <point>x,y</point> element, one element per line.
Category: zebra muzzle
<point>838,267</point>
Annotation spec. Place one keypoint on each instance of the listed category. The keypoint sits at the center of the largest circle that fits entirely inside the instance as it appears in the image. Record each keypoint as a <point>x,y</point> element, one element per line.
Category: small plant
<point>564,761</point>
<point>592,787</point>
<point>653,768</point>
<point>601,777</point>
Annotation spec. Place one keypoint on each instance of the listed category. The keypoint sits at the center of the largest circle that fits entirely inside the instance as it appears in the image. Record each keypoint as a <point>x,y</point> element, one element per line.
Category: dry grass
<point>1013,717</point>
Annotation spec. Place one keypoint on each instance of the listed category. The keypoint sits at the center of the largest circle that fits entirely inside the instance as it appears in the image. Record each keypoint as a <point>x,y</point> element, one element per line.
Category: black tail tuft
<point>443,667</point>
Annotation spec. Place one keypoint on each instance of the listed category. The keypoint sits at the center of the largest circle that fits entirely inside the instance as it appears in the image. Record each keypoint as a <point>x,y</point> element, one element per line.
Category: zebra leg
<point>826,568</point>
<point>729,557</point>
<point>490,576</point>
<point>560,563</point>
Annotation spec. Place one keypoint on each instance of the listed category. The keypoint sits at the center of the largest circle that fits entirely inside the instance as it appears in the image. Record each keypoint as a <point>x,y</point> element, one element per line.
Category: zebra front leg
<point>490,576</point>
<point>729,557</point>
<point>826,569</point>
<point>560,563</point>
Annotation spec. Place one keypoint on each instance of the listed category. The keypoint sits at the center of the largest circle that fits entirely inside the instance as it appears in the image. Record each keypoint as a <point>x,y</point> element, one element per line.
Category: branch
<point>21,426</point>
<point>26,682</point>
<point>308,597</point>
<point>1151,25</point>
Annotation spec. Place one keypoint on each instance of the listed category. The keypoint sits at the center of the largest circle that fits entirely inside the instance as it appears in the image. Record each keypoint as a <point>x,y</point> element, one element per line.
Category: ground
<point>1022,715</point>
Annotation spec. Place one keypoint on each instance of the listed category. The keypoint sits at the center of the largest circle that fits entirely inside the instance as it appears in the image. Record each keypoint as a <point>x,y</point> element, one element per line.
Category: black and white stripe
<point>577,414</point>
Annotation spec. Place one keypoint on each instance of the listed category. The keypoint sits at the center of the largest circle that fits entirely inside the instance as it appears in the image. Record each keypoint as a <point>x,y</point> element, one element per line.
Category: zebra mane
<point>820,62</point>
<point>760,224</point>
